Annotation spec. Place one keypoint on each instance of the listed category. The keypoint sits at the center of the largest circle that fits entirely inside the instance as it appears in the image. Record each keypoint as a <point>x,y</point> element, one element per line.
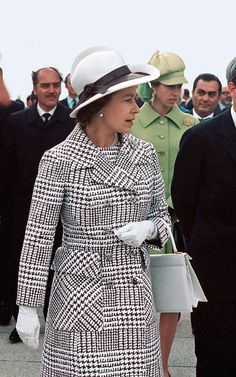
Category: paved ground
<point>16,360</point>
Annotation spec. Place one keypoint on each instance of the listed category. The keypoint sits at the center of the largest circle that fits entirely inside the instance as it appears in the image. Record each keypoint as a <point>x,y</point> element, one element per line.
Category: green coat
<point>164,132</point>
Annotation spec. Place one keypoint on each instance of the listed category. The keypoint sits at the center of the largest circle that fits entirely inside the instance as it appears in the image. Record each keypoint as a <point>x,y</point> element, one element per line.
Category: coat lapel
<point>228,132</point>
<point>123,174</point>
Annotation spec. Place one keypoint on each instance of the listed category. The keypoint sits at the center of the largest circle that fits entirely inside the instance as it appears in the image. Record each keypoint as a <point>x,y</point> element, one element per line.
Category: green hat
<point>171,68</point>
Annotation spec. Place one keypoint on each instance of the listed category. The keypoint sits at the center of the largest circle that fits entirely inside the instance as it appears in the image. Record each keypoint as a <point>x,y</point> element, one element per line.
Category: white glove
<point>28,326</point>
<point>134,234</point>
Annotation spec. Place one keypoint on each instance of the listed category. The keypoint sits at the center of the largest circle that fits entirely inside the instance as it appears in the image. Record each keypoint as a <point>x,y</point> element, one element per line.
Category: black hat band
<point>102,84</point>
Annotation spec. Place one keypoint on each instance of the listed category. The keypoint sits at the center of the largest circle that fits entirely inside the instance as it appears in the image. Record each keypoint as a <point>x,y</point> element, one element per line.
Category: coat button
<point>108,231</point>
<point>110,284</point>
<point>135,281</point>
<point>109,257</point>
<point>108,203</point>
<point>161,121</point>
<point>161,136</point>
<point>162,153</point>
<point>133,200</point>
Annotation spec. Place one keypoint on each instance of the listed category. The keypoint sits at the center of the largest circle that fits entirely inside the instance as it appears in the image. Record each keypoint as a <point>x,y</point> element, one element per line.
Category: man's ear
<point>232,87</point>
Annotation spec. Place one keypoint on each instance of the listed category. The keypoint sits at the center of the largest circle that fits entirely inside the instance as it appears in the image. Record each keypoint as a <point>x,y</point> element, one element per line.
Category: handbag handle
<point>169,231</point>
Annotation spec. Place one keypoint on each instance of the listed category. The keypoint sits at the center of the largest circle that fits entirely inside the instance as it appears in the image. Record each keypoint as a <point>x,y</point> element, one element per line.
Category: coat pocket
<point>80,261</point>
<point>76,302</point>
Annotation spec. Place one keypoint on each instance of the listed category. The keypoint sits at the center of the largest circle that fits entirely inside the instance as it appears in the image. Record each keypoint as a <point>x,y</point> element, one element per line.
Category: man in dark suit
<point>7,107</point>
<point>26,135</point>
<point>72,99</point>
<point>203,193</point>
<point>205,96</point>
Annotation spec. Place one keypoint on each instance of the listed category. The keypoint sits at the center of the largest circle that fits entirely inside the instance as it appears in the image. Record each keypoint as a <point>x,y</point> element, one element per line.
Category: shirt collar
<point>196,115</point>
<point>233,113</point>
<point>41,111</point>
<point>71,100</point>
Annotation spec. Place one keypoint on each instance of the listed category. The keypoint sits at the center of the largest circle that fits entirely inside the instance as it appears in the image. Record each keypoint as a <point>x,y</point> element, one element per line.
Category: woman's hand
<point>133,234</point>
<point>28,326</point>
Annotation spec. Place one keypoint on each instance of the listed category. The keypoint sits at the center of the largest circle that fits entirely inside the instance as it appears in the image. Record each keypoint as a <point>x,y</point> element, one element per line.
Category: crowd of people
<point>84,184</point>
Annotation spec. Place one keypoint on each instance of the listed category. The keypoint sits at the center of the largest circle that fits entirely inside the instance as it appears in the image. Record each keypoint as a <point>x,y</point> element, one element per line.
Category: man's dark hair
<point>186,92</point>
<point>207,77</point>
<point>35,74</point>
<point>66,78</point>
<point>31,97</point>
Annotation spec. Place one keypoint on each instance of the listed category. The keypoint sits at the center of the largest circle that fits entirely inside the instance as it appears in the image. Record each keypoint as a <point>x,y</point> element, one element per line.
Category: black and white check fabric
<point>101,319</point>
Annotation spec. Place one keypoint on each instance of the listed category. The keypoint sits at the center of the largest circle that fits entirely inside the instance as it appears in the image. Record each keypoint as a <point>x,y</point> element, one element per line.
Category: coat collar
<point>61,114</point>
<point>148,115</point>
<point>124,173</point>
<point>228,132</point>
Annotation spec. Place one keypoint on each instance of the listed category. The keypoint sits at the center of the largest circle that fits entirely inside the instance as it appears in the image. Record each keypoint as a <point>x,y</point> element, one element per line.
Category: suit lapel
<point>33,116</point>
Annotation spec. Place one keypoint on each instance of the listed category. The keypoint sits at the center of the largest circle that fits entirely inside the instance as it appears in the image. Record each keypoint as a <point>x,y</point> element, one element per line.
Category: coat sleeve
<point>159,207</point>
<point>40,231</point>
<point>187,178</point>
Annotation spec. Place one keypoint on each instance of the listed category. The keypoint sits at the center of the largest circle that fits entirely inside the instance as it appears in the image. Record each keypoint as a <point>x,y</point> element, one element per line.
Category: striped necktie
<point>73,103</point>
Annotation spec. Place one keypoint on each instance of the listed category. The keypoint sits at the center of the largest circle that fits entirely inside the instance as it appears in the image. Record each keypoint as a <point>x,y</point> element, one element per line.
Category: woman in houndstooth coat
<point>107,188</point>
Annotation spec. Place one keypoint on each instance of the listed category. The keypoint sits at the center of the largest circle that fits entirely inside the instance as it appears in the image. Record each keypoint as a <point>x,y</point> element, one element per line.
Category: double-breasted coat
<point>101,319</point>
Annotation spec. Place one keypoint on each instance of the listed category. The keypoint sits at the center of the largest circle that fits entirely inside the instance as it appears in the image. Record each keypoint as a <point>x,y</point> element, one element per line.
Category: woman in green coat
<point>162,123</point>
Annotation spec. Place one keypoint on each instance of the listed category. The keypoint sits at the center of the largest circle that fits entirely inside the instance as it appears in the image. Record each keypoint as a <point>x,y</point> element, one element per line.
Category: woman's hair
<point>85,115</point>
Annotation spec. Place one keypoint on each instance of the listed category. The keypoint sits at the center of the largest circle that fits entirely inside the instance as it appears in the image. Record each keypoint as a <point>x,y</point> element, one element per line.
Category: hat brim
<point>178,80</point>
<point>140,74</point>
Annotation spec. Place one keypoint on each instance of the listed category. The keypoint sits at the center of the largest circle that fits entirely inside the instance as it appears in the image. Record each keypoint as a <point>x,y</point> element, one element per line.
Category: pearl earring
<point>101,115</point>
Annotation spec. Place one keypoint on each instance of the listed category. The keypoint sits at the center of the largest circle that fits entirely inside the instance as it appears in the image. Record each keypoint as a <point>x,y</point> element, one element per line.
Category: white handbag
<point>175,285</point>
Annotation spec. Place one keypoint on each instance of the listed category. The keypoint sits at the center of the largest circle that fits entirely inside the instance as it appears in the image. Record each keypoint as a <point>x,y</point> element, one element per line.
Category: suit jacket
<point>64,102</point>
<point>101,286</point>
<point>23,142</point>
<point>203,192</point>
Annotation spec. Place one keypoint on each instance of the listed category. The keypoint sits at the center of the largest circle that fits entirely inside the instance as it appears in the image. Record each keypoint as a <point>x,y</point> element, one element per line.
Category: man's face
<point>48,89</point>
<point>225,97</point>
<point>71,91</point>
<point>205,97</point>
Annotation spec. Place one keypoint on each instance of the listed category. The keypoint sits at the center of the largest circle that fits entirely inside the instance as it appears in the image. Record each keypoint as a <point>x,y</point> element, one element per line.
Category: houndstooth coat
<point>101,319</point>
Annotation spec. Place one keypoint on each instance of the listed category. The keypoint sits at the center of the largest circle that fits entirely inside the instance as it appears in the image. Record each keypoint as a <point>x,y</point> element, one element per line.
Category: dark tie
<point>74,103</point>
<point>46,118</point>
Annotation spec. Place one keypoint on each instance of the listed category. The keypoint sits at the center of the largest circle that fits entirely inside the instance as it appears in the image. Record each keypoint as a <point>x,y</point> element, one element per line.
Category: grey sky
<point>34,34</point>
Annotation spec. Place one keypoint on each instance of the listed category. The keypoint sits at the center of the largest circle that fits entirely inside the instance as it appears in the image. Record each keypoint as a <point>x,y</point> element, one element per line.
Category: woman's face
<point>167,95</point>
<point>119,112</point>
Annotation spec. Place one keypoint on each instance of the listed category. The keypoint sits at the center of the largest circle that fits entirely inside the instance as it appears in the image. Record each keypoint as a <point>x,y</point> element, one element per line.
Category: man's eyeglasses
<point>225,93</point>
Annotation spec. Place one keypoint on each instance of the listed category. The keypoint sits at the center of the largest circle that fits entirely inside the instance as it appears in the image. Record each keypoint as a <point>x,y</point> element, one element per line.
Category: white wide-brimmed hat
<point>99,71</point>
